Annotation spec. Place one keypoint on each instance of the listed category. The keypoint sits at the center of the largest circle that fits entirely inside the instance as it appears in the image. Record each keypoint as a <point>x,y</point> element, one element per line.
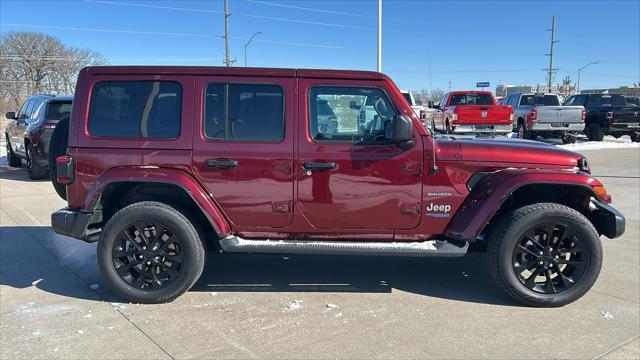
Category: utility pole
<point>379,35</point>
<point>430,89</point>
<point>551,70</point>
<point>227,61</point>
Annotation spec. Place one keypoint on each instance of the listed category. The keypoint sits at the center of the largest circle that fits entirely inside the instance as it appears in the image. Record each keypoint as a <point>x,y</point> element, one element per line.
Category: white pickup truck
<point>542,114</point>
<point>417,107</point>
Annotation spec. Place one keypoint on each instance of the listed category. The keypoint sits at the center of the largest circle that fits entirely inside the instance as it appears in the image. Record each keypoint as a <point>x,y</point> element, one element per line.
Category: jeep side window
<point>136,109</point>
<point>350,114</point>
<point>244,112</point>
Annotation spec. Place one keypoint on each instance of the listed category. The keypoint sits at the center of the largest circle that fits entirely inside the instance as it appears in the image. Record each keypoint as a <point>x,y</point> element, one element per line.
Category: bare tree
<point>566,88</point>
<point>32,63</point>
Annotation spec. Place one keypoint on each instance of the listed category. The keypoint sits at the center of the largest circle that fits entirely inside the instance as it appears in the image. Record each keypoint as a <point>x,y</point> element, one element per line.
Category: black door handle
<point>309,165</point>
<point>222,163</point>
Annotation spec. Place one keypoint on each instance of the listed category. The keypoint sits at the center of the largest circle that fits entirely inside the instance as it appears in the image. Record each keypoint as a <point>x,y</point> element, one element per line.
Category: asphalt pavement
<point>54,304</point>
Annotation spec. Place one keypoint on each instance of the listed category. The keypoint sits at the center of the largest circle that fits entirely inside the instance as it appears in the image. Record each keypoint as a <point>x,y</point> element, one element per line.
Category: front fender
<point>490,193</point>
<point>166,176</point>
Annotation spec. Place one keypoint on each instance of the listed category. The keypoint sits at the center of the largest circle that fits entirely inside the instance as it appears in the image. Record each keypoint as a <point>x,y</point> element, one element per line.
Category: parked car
<point>541,114</point>
<point>163,160</point>
<point>418,108</point>
<point>29,132</point>
<point>472,112</point>
<point>608,114</point>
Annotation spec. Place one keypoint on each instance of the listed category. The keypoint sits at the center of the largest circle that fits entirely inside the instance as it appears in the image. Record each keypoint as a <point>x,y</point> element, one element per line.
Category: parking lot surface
<point>53,303</point>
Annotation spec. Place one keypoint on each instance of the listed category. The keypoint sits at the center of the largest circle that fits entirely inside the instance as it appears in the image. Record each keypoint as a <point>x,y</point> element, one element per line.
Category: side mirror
<point>10,115</point>
<point>402,132</point>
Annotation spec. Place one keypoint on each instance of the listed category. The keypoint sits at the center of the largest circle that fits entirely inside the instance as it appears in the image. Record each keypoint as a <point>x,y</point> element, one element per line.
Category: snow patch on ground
<point>3,153</point>
<point>607,143</point>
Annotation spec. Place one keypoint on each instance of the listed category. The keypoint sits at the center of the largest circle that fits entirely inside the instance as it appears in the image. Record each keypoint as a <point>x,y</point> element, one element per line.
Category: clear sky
<point>469,41</point>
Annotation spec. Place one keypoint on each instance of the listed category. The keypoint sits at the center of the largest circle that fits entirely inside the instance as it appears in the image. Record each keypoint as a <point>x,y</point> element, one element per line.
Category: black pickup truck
<point>608,114</point>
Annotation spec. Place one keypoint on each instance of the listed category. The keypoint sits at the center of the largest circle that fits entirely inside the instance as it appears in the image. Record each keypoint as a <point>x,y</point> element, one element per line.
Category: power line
<point>108,30</point>
<point>291,43</point>
<point>237,14</point>
<point>332,12</point>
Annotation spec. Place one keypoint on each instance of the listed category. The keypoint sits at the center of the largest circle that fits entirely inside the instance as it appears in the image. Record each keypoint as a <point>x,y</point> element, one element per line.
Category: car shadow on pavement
<point>17,174</point>
<point>463,279</point>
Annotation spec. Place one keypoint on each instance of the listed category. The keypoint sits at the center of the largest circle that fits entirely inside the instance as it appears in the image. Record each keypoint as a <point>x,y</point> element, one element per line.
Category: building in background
<point>627,91</point>
<point>505,90</point>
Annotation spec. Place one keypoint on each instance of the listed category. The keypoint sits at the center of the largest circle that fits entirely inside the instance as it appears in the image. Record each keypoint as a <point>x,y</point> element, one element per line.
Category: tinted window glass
<point>251,112</point>
<point>607,100</point>
<point>570,101</point>
<point>136,109</point>
<point>23,110</point>
<point>633,100</point>
<point>471,99</point>
<point>29,109</point>
<point>546,100</point>
<point>57,110</point>
<point>361,115</point>
<point>408,97</point>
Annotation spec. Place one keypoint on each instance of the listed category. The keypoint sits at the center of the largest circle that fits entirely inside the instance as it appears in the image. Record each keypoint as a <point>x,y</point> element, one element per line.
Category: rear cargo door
<point>243,147</point>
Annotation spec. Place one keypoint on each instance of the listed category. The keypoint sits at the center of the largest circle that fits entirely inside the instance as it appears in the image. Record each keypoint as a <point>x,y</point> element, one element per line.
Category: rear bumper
<point>557,127</point>
<point>482,128</point>
<point>608,220</point>
<point>624,127</point>
<point>75,224</point>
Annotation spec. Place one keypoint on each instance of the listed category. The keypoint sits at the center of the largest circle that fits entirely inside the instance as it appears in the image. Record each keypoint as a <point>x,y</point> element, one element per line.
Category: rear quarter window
<point>135,109</point>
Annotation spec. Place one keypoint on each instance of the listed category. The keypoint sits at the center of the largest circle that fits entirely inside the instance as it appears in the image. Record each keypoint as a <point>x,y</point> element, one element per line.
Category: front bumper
<point>482,128</point>
<point>557,127</point>
<point>76,224</point>
<point>607,220</point>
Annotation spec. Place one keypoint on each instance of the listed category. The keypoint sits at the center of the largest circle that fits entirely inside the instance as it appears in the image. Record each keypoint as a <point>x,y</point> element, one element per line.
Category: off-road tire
<point>594,132</point>
<point>569,139</point>
<point>12,158</point>
<point>523,133</point>
<point>58,147</point>
<point>506,236</point>
<point>34,169</point>
<point>635,137</point>
<point>180,226</point>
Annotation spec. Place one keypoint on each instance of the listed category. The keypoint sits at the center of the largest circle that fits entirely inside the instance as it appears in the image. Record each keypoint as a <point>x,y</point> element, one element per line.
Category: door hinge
<point>283,207</point>
<point>410,209</point>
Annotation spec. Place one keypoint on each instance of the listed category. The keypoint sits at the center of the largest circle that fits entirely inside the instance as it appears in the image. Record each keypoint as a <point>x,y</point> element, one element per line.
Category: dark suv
<point>162,161</point>
<point>29,132</point>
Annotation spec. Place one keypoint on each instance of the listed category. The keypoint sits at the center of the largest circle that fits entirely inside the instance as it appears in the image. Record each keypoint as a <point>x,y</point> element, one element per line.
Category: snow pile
<point>3,153</point>
<point>597,145</point>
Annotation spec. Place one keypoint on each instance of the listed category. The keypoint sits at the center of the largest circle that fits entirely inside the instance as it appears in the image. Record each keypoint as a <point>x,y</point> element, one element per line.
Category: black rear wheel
<point>545,254</point>
<point>635,136</point>
<point>568,139</point>
<point>58,147</point>
<point>34,169</point>
<point>149,252</point>
<point>594,132</point>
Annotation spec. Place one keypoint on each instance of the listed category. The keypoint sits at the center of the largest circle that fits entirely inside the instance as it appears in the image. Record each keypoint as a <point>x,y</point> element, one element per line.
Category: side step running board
<point>436,248</point>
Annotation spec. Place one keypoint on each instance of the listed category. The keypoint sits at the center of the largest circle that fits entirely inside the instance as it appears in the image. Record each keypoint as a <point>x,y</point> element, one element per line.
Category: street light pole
<point>247,45</point>
<point>379,35</point>
<point>582,68</point>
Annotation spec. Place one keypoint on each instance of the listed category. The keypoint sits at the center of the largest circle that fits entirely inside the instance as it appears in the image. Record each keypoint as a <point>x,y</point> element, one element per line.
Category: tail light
<point>610,115</point>
<point>64,170</point>
<point>533,114</point>
<point>454,117</point>
<point>584,115</point>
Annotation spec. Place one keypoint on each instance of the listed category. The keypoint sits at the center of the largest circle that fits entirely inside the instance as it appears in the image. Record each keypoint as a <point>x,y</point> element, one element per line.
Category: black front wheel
<point>635,136</point>
<point>150,253</point>
<point>545,254</point>
<point>13,159</point>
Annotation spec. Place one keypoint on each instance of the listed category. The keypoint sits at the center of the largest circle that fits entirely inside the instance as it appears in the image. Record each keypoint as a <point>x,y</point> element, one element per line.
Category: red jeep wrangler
<point>163,160</point>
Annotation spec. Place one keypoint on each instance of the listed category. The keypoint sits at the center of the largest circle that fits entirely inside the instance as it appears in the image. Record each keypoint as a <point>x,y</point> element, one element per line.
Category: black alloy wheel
<point>147,255</point>
<point>549,258</point>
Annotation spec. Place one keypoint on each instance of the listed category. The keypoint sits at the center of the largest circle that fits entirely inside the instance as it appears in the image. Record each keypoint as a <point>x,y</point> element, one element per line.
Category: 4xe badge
<point>435,210</point>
